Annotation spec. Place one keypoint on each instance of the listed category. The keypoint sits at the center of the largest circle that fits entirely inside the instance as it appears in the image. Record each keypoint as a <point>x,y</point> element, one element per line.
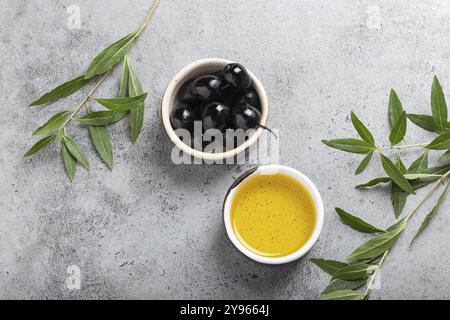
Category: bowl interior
<point>170,101</point>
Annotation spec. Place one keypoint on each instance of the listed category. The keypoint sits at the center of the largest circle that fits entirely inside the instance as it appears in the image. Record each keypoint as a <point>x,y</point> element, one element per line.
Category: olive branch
<point>362,264</point>
<point>130,102</point>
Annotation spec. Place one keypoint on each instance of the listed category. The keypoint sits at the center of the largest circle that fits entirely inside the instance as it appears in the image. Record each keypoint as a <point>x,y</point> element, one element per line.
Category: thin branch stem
<point>417,145</point>
<point>374,275</point>
<point>83,102</point>
<point>407,218</point>
<point>102,79</point>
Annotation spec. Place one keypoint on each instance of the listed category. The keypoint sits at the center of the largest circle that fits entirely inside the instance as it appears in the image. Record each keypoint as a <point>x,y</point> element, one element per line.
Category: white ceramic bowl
<point>273,169</point>
<point>169,101</point>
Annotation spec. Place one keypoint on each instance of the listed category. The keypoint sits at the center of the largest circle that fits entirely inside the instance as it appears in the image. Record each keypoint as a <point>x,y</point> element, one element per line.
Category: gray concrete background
<point>150,229</point>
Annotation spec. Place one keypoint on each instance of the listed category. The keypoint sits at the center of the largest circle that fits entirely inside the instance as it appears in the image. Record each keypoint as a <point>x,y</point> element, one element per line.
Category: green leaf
<point>400,165</point>
<point>338,285</point>
<point>102,142</point>
<point>76,151</point>
<point>39,145</point>
<point>350,145</point>
<point>62,91</point>
<point>364,163</point>
<point>341,295</point>
<point>399,130</point>
<point>414,176</point>
<point>118,115</point>
<point>70,163</point>
<point>423,182</point>
<point>124,81</point>
<point>431,215</point>
<point>135,88</point>
<point>355,271</point>
<point>97,118</point>
<point>356,223</point>
<point>373,183</point>
<point>362,129</point>
<point>425,122</point>
<point>111,55</point>
<point>445,156</point>
<point>329,266</point>
<point>377,246</point>
<point>399,198</point>
<point>438,106</point>
<point>396,175</point>
<point>440,143</point>
<point>395,108</point>
<point>122,104</point>
<point>52,124</point>
<point>420,164</point>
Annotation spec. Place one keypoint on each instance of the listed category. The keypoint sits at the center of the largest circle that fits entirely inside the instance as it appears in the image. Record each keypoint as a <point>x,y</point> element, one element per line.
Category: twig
<point>85,99</point>
<point>102,79</point>
<point>422,145</point>
<point>407,218</point>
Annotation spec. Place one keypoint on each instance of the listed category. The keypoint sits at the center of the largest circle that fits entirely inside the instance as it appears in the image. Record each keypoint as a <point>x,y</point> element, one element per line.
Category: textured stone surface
<point>151,229</point>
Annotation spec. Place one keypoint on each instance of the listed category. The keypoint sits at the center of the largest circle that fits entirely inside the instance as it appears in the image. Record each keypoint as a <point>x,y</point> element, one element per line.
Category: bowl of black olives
<point>215,95</point>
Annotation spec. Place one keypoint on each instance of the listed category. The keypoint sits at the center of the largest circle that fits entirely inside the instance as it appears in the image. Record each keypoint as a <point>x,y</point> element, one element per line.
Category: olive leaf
<point>399,130</point>
<point>395,108</point>
<point>414,176</point>
<point>355,271</point>
<point>400,164</point>
<point>423,121</point>
<point>96,118</point>
<point>357,223</point>
<point>364,163</point>
<point>135,88</point>
<point>76,151</point>
<point>66,89</point>
<point>438,106</point>
<point>399,198</point>
<point>102,142</point>
<point>420,164</point>
<point>396,175</point>
<point>111,55</point>
<point>39,145</point>
<point>329,266</point>
<point>378,245</point>
<point>431,215</point>
<point>350,145</point>
<point>124,80</point>
<point>362,129</point>
<point>440,143</point>
<point>373,182</point>
<point>52,124</point>
<point>341,295</point>
<point>445,156</point>
<point>338,285</point>
<point>70,163</point>
<point>122,104</point>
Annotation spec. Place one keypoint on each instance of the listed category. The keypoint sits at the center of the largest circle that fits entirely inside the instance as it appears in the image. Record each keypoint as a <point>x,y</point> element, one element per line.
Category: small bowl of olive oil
<point>273,214</point>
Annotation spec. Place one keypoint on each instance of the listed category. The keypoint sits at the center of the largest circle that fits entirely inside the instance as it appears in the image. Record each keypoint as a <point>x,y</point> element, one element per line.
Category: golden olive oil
<point>273,215</point>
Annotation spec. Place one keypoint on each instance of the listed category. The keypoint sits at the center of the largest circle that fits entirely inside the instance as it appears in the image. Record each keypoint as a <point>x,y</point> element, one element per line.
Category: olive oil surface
<point>273,215</point>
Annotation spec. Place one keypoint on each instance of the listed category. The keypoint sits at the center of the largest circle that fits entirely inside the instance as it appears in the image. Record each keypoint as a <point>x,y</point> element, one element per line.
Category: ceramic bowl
<point>267,170</point>
<point>169,102</point>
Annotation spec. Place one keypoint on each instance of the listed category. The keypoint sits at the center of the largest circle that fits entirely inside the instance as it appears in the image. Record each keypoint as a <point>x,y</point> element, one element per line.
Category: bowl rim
<point>169,92</point>
<point>300,177</point>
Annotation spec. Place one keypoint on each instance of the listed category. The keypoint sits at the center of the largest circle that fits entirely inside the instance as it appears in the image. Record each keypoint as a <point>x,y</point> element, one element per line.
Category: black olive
<point>186,94</point>
<point>252,98</point>
<point>245,117</point>
<point>236,75</point>
<point>216,116</point>
<point>183,117</point>
<point>207,88</point>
